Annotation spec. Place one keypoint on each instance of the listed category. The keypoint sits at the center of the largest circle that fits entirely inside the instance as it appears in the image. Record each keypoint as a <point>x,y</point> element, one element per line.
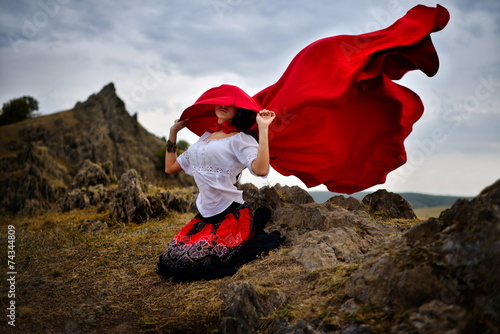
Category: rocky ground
<point>347,266</point>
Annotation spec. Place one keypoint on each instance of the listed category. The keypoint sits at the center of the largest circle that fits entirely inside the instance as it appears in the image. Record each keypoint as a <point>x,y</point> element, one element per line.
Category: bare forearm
<point>171,164</point>
<point>260,165</point>
<point>170,157</point>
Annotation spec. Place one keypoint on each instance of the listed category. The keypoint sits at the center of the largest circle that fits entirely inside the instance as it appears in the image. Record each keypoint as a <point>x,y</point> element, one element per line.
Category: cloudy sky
<point>161,55</point>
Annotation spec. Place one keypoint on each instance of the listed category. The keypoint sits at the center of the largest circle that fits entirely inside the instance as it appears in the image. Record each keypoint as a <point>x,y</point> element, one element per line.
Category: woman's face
<point>225,113</point>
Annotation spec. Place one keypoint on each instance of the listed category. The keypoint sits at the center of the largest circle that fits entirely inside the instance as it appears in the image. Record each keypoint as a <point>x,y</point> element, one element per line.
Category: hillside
<point>40,156</point>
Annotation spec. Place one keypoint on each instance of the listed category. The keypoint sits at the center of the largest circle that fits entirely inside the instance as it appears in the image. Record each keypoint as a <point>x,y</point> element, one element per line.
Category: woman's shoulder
<point>246,138</point>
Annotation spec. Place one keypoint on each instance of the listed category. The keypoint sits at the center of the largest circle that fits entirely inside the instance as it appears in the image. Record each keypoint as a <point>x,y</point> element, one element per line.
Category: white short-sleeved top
<point>214,164</point>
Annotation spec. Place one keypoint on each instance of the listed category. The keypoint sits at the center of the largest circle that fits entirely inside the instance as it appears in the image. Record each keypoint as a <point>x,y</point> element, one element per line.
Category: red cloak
<point>341,119</point>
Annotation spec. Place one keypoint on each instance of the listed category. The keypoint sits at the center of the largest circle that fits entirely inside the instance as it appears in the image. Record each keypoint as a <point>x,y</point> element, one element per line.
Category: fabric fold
<point>341,119</point>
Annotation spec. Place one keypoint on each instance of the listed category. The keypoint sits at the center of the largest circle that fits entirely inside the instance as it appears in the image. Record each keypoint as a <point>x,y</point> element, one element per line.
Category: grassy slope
<point>11,132</point>
<point>74,275</point>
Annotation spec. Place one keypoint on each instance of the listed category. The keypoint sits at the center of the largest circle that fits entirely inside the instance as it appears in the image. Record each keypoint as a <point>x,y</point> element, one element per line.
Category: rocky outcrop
<point>130,202</point>
<point>440,276</point>
<point>388,205</point>
<point>40,157</point>
<point>323,235</point>
<point>274,197</point>
<point>133,201</point>
<point>31,180</point>
<point>445,272</point>
<point>93,185</point>
<point>80,198</point>
<point>92,174</point>
<point>243,310</point>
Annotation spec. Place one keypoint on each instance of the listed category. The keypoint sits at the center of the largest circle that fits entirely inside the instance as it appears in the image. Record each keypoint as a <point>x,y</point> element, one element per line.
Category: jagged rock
<point>296,219</point>
<point>89,188</point>
<point>293,194</point>
<point>274,197</point>
<point>349,203</point>
<point>434,317</point>
<point>282,326</point>
<point>159,203</point>
<point>131,203</point>
<point>92,174</point>
<point>440,267</point>
<point>80,198</point>
<point>308,217</point>
<point>385,204</point>
<point>275,300</point>
<point>184,202</point>
<point>316,249</point>
<point>31,181</point>
<point>324,235</point>
<point>243,310</point>
<point>108,198</point>
<point>265,196</point>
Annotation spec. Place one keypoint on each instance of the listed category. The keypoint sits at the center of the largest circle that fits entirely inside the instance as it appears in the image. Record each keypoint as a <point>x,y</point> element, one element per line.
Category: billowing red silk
<point>341,119</point>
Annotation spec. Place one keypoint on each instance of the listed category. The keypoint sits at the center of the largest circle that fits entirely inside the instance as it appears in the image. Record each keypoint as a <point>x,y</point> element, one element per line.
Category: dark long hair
<point>244,120</point>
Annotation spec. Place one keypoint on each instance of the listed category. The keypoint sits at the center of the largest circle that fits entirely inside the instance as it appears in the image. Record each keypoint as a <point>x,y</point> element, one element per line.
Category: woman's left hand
<point>265,117</point>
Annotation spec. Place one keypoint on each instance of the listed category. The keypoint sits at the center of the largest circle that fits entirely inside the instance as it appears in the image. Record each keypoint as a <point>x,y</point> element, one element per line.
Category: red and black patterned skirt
<point>217,246</point>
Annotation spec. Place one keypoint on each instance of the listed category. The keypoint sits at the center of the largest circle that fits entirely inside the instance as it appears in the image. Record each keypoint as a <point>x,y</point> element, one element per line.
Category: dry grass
<point>11,132</point>
<point>80,271</point>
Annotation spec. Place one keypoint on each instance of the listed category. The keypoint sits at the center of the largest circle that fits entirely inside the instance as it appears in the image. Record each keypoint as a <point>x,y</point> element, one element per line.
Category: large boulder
<point>318,249</point>
<point>349,203</point>
<point>324,235</point>
<point>274,197</point>
<point>385,204</point>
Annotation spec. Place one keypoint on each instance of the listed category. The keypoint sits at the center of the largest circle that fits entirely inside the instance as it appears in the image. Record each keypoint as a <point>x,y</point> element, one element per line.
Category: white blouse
<point>214,164</point>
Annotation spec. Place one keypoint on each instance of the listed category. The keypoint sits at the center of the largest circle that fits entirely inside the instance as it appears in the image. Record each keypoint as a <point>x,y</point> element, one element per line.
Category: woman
<point>225,233</point>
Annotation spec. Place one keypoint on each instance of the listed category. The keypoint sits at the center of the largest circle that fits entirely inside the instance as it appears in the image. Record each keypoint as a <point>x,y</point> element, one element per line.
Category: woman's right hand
<point>178,125</point>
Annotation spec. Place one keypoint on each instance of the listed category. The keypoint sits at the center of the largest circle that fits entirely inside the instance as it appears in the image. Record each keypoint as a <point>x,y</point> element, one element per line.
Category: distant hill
<point>416,200</point>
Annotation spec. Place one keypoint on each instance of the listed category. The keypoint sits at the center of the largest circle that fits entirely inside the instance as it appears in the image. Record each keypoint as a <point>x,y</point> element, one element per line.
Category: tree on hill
<point>18,109</point>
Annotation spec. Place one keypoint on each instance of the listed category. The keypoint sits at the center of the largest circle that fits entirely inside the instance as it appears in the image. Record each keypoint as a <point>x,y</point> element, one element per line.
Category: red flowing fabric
<point>341,119</point>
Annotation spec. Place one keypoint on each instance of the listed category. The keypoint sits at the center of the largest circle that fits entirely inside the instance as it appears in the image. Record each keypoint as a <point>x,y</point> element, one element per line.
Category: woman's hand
<point>260,166</point>
<point>178,125</point>
<point>265,117</point>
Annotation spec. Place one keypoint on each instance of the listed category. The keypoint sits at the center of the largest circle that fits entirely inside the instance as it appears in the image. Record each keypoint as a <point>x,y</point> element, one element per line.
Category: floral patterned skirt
<point>214,247</point>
